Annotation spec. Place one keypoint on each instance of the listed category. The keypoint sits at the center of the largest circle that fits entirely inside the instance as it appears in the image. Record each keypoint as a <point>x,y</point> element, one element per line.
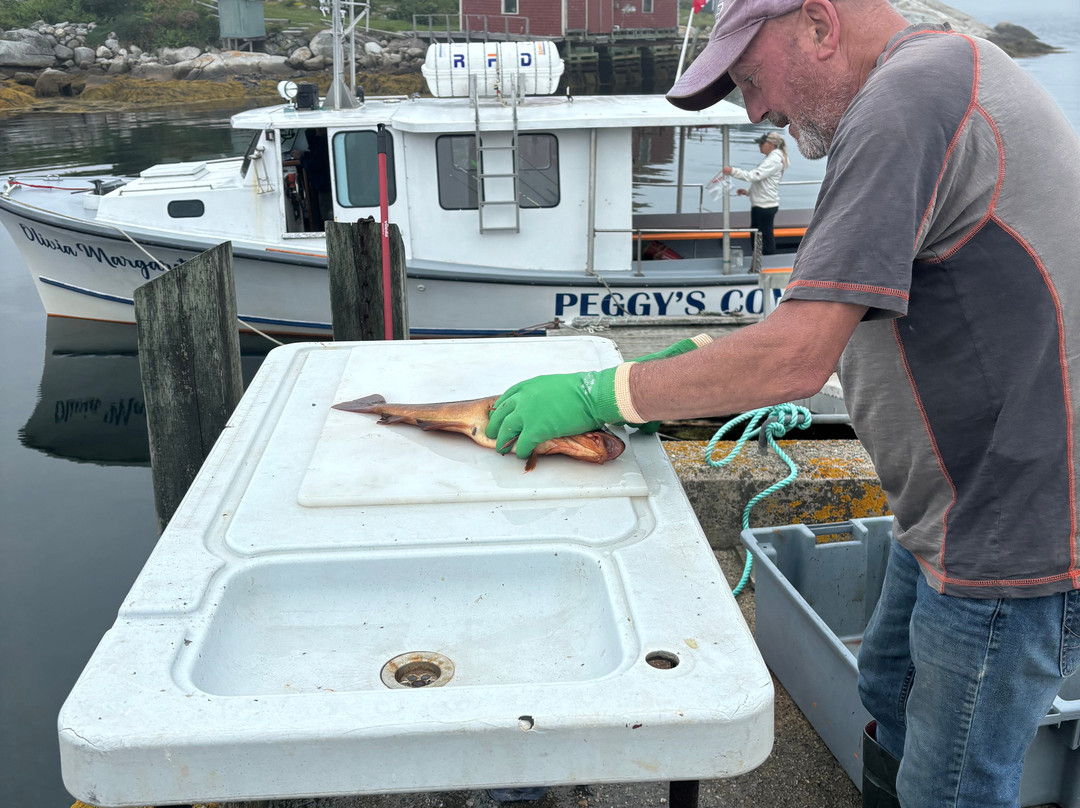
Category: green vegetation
<point>147,23</point>
<point>297,13</point>
<point>174,23</point>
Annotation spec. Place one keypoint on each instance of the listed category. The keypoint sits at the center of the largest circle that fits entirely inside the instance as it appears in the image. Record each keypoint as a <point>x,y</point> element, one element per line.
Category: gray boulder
<point>84,57</point>
<point>52,83</point>
<point>175,56</point>
<point>117,65</point>
<point>299,56</point>
<point>322,44</point>
<point>154,71</point>
<point>24,48</point>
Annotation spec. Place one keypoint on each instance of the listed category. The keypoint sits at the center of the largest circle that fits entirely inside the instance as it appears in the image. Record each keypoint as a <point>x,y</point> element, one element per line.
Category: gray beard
<point>814,142</point>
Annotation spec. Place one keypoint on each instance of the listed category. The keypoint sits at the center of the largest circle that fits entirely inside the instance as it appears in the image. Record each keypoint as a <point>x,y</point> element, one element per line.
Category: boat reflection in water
<point>90,405</point>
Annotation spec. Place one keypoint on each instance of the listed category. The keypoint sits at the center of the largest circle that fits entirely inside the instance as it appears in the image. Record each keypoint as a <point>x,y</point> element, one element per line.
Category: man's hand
<point>741,192</point>
<point>726,170</point>
<point>553,406</point>
<point>557,405</point>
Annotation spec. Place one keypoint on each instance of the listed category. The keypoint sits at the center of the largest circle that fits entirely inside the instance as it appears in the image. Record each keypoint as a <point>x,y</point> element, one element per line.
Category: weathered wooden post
<point>189,357</point>
<point>354,258</point>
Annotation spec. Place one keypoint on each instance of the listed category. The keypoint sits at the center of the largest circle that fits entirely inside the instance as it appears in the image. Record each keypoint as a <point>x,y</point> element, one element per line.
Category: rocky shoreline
<point>53,61</point>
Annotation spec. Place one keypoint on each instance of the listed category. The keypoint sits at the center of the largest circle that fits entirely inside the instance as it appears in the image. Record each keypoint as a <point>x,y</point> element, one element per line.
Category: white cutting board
<point>358,462</point>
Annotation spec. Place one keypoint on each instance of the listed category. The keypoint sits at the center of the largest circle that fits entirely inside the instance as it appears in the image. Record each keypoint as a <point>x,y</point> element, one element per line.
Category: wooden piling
<point>189,357</point>
<point>354,258</point>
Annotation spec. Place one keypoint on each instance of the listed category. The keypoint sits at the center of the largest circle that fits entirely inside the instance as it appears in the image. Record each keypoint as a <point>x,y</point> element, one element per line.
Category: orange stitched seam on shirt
<point>973,104</point>
<point>929,436</point>
<point>921,31</point>
<point>1048,579</point>
<point>991,211</point>
<point>851,287</point>
<point>1074,566</point>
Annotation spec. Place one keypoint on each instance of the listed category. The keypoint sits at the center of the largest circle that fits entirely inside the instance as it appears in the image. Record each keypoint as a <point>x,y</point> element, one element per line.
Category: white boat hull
<point>546,234</point>
<point>93,276</point>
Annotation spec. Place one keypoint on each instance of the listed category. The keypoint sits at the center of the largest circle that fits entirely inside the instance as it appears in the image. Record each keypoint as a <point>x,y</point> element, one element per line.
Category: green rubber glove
<point>553,406</point>
<point>680,347</point>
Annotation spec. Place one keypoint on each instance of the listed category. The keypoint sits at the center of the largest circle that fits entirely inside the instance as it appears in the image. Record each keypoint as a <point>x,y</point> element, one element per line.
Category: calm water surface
<point>76,506</point>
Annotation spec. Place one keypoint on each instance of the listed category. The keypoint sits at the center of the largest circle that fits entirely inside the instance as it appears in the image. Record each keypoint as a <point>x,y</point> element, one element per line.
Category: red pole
<point>384,215</point>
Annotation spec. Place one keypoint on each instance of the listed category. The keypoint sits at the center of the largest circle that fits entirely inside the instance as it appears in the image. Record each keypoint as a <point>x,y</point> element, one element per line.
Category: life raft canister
<point>447,67</point>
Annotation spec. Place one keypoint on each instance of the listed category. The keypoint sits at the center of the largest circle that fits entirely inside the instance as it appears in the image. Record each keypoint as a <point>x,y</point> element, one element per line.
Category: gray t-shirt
<point>939,213</point>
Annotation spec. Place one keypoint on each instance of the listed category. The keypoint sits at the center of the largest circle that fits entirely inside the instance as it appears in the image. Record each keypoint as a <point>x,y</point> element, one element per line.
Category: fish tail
<point>530,464</point>
<point>365,404</point>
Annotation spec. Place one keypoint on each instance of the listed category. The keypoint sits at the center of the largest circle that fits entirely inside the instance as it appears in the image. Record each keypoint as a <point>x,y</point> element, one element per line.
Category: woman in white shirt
<point>764,189</point>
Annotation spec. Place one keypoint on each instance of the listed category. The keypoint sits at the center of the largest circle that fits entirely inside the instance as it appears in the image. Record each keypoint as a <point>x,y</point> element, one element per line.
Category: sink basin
<point>339,607</point>
<point>509,617</point>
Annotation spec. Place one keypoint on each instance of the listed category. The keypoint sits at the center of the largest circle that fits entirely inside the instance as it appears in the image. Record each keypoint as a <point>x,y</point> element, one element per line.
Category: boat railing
<point>641,235</point>
<point>470,26</point>
<point>700,189</point>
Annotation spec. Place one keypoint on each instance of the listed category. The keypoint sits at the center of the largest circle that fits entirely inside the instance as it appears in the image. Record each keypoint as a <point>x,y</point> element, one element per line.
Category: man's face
<point>781,81</point>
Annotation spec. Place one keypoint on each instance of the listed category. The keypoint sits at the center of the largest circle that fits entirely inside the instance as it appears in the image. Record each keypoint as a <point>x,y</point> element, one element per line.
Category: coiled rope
<point>766,424</point>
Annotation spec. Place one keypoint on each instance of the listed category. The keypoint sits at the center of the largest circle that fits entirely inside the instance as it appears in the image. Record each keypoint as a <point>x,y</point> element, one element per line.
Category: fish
<point>470,418</point>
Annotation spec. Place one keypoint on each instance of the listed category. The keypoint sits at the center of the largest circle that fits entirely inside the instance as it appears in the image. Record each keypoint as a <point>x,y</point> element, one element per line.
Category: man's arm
<point>788,355</point>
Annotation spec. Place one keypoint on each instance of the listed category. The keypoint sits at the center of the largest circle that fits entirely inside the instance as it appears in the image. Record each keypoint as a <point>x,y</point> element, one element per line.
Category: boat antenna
<point>338,96</point>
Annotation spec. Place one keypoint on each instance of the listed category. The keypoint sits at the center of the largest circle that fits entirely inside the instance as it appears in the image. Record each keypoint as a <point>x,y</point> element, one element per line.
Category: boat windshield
<point>249,152</point>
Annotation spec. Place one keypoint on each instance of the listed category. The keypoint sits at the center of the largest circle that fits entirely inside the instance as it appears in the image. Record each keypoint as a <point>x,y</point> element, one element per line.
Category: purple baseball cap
<point>706,81</point>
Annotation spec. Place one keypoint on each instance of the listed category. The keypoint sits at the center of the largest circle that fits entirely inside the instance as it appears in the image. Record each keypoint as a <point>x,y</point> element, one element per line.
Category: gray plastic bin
<point>812,603</point>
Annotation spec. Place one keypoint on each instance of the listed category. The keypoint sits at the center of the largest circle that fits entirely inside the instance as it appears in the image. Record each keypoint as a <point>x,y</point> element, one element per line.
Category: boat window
<point>186,208</point>
<point>538,171</point>
<point>509,6</point>
<point>356,169</point>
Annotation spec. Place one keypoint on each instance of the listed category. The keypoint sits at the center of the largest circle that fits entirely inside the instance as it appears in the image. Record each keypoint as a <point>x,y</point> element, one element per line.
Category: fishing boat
<point>514,203</point>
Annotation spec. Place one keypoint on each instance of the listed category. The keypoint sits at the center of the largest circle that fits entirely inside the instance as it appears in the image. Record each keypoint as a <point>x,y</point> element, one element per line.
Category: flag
<point>698,5</point>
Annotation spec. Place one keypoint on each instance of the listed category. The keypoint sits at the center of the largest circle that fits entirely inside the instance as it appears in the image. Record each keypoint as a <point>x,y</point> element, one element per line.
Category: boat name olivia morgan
<point>144,267</point>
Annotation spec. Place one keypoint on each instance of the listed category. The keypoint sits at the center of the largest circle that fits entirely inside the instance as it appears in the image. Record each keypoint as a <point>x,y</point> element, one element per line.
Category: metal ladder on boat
<point>484,200</point>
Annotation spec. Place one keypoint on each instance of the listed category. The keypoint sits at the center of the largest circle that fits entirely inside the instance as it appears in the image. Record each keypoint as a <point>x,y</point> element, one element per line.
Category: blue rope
<point>766,424</point>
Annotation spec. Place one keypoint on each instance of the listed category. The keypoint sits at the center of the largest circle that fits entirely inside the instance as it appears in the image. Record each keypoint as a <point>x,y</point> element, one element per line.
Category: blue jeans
<point>958,685</point>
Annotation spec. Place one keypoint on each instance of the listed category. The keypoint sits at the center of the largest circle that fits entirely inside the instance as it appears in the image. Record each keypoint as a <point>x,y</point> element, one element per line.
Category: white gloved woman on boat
<point>764,191</point>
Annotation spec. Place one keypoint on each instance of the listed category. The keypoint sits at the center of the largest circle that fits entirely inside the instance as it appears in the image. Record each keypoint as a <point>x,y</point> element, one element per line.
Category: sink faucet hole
<point>664,660</point>
<point>417,669</point>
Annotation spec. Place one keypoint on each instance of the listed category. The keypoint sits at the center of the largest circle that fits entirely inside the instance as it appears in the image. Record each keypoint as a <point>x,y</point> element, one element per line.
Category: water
<point>76,507</point>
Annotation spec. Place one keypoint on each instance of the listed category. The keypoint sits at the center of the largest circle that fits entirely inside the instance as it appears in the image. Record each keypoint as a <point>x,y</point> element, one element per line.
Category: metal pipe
<point>725,132</point>
<point>681,169</point>
<point>590,246</point>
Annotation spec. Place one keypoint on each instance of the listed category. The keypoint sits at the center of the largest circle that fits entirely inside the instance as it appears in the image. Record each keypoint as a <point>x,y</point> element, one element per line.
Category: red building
<point>541,19</point>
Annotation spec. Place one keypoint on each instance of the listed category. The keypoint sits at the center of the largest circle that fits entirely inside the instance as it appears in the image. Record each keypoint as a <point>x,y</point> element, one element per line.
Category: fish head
<point>599,446</point>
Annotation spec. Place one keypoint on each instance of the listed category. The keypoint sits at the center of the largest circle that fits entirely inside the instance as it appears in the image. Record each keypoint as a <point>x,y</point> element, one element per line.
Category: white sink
<point>340,607</point>
<point>511,616</point>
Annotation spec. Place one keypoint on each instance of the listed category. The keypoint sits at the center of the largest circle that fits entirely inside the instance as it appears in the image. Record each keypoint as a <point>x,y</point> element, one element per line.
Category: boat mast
<point>340,95</point>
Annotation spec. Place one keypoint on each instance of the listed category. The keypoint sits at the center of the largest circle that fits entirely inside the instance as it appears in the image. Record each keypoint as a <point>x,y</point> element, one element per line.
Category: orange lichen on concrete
<point>835,482</point>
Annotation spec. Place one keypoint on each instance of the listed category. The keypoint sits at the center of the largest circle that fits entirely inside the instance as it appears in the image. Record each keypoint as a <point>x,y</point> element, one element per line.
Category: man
<point>946,278</point>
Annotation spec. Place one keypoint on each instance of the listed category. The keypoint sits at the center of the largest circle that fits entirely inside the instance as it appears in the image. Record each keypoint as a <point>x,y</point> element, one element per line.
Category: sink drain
<point>417,669</point>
